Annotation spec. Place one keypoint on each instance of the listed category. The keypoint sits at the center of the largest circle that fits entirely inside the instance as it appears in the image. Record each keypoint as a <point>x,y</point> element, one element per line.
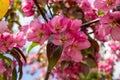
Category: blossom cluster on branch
<point>73,37</point>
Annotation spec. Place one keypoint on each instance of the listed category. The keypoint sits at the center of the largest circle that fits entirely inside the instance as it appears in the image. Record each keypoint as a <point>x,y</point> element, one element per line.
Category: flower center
<point>113,23</point>
<point>40,34</point>
<point>110,2</point>
<point>57,27</point>
<point>63,38</point>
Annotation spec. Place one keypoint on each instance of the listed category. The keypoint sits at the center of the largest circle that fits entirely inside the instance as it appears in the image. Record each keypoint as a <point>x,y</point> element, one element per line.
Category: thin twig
<point>85,25</point>
<point>42,13</point>
<point>49,10</point>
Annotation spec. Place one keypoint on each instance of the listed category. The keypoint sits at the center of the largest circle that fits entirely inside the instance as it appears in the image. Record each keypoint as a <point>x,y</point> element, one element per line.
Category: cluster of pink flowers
<point>106,66</point>
<point>66,32</point>
<point>105,5</point>
<point>63,32</point>
<point>109,20</point>
<point>69,72</point>
<point>27,7</point>
<point>9,40</point>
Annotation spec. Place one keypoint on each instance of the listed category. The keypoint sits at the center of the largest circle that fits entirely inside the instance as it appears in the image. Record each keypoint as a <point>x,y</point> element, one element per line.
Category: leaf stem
<point>48,73</point>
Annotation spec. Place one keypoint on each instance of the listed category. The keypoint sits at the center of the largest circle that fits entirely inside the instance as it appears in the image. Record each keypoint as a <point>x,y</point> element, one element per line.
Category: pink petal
<point>76,56</point>
<point>115,33</point>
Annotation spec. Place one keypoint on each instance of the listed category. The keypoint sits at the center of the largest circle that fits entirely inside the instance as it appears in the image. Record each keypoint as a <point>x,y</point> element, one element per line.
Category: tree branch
<point>85,25</point>
<point>42,13</point>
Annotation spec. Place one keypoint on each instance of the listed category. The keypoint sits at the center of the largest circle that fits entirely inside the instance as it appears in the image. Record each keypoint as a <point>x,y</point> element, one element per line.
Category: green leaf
<point>1,77</point>
<point>34,44</point>
<point>14,74</point>
<point>93,76</point>
<point>53,54</point>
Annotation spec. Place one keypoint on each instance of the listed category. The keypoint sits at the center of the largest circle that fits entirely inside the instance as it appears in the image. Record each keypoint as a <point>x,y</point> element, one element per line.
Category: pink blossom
<point>85,5</point>
<point>3,27</point>
<point>114,46</point>
<point>6,42</point>
<point>69,71</point>
<point>90,15</point>
<point>24,29</point>
<point>27,7</point>
<point>58,24</point>
<point>73,50</point>
<point>19,39</point>
<point>62,39</point>
<point>37,32</point>
<point>100,33</point>
<point>110,24</point>
<point>31,58</point>
<point>74,26</point>
<point>106,66</point>
<point>11,1</point>
<point>105,5</point>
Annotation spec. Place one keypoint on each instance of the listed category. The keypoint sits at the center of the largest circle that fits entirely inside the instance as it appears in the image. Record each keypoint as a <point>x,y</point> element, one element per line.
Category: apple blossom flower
<point>3,27</point>
<point>27,7</point>
<point>100,33</point>
<point>106,66</point>
<point>58,24</point>
<point>68,72</point>
<point>105,5</point>
<point>37,32</point>
<point>63,39</point>
<point>85,5</point>
<point>19,39</point>
<point>6,41</point>
<point>110,24</point>
<point>74,26</point>
<point>74,49</point>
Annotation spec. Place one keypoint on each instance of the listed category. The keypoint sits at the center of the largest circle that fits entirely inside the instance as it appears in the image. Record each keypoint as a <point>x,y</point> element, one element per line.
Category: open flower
<point>105,5</point>
<point>37,32</point>
<point>58,24</point>
<point>6,42</point>
<point>111,24</point>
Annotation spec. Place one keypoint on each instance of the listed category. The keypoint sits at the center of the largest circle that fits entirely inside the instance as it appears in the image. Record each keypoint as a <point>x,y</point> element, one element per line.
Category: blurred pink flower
<point>6,41</point>
<point>110,24</point>
<point>85,5</point>
<point>105,5</point>
<point>31,58</point>
<point>19,39</point>
<point>3,27</point>
<point>106,66</point>
<point>27,7</point>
